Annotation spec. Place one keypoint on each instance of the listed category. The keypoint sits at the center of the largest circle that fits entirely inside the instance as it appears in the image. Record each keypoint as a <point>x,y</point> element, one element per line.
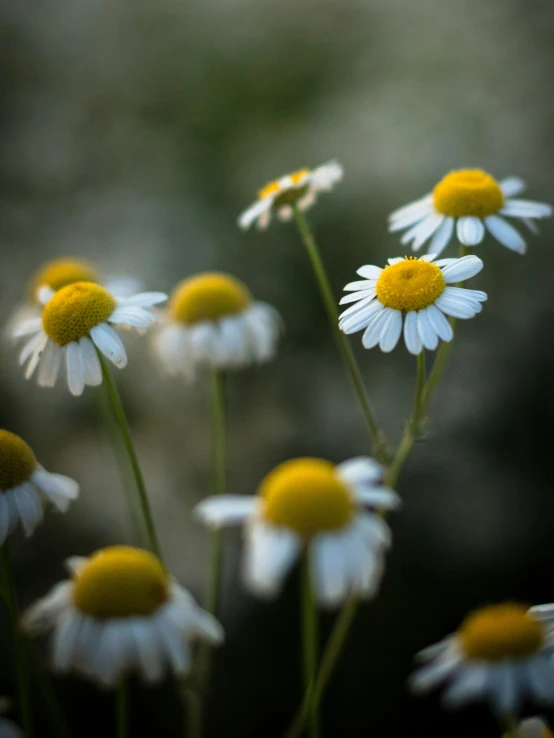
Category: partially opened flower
<point>213,321</point>
<point>299,188</point>
<point>411,295</point>
<point>468,201</point>
<point>502,653</point>
<point>75,322</point>
<point>26,487</point>
<point>121,612</point>
<point>59,273</point>
<point>311,505</point>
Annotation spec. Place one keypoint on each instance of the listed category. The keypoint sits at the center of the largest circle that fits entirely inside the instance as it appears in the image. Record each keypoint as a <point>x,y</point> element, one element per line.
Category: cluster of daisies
<point>120,610</point>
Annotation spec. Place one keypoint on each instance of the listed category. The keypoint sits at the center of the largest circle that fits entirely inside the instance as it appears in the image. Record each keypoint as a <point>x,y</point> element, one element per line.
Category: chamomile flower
<point>299,188</point>
<point>26,487</point>
<point>502,653</point>
<point>213,321</point>
<point>121,612</point>
<point>314,506</point>
<point>75,322</point>
<point>60,273</point>
<point>471,202</point>
<point>532,728</point>
<point>411,295</point>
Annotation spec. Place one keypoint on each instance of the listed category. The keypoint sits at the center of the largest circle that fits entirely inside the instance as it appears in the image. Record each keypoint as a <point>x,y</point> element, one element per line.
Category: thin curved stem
<point>123,425</point>
<point>309,645</point>
<point>24,693</point>
<point>122,709</point>
<point>376,435</point>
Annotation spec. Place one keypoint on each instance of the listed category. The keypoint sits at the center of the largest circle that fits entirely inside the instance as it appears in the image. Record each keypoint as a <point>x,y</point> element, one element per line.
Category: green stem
<point>309,645</point>
<point>123,425</point>
<point>25,710</point>
<point>376,435</point>
<point>122,709</point>
<point>510,722</point>
<point>46,691</point>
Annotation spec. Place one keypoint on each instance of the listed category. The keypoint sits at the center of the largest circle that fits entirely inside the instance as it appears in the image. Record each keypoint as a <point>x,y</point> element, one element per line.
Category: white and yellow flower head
<point>59,273</point>
<point>213,321</point>
<point>75,322</point>
<point>311,504</point>
<point>299,188</point>
<point>502,653</point>
<point>534,727</point>
<point>469,201</point>
<point>121,612</point>
<point>26,487</point>
<point>410,295</point>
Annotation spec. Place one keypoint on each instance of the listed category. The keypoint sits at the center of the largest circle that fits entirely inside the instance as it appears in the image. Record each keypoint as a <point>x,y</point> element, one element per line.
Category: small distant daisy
<point>470,201</point>
<point>26,487</point>
<point>313,505</point>
<point>76,320</point>
<point>121,612</point>
<point>213,321</point>
<point>300,188</point>
<point>413,294</point>
<point>60,273</point>
<point>502,653</point>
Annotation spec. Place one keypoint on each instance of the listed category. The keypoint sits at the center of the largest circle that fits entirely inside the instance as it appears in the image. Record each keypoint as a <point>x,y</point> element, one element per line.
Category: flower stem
<point>123,425</point>
<point>309,645</point>
<point>21,665</point>
<point>510,722</point>
<point>122,709</point>
<point>376,435</point>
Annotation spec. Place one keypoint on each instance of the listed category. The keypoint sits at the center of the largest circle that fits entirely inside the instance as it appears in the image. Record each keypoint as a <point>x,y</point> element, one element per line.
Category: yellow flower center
<point>307,496</point>
<point>74,310</point>
<point>505,631</point>
<point>288,195</point>
<point>468,192</point>
<point>120,582</point>
<point>208,296</point>
<point>61,272</point>
<point>411,284</point>
<point>17,461</point>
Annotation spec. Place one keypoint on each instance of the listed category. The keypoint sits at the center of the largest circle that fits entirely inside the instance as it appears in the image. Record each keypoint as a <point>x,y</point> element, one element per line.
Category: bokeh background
<point>132,133</point>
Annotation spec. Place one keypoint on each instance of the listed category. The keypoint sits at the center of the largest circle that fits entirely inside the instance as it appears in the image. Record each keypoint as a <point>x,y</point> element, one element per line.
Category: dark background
<point>133,133</point>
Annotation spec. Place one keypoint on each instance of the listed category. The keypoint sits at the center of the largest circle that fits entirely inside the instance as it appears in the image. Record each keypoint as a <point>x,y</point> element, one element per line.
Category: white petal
<point>360,470</point>
<point>511,186</point>
<point>470,230</point>
<point>526,209</point>
<point>217,512</point>
<point>411,333</point>
<point>28,327</point>
<point>381,498</point>
<point>75,369</point>
<point>461,269</point>
<point>440,324</point>
<point>327,554</point>
<point>540,674</point>
<point>457,308</point>
<point>269,555</point>
<point>369,271</point>
<point>364,284</point>
<point>172,344</point>
<point>59,488</point>
<point>395,260</point>
<point>442,236</point>
<point>415,206</point>
<point>463,293</point>
<point>355,296</point>
<point>29,506</point>
<point>91,363</point>
<point>361,318</point>
<point>422,231</point>
<point>252,213</point>
<point>505,233</point>
<point>430,676</point>
<point>466,686</point>
<point>148,649</point>
<point>110,344</point>
<point>44,294</point>
<point>506,695</point>
<point>410,219</point>
<point>325,176</point>
<point>50,364</point>
<point>135,317</point>
<point>372,333</point>
<point>427,333</point>
<point>5,519</point>
<point>66,638</point>
<point>143,299</point>
<point>391,331</point>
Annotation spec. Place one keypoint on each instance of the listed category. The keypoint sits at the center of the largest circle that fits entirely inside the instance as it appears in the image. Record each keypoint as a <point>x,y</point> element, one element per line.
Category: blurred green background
<point>132,133</point>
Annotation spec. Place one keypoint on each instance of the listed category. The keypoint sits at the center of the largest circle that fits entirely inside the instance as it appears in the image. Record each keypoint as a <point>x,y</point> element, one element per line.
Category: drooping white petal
<point>456,307</point>
<point>252,213</point>
<point>360,470</point>
<point>469,684</point>
<point>422,231</point>
<point>372,333</point>
<point>511,186</point>
<point>27,327</point>
<point>415,206</point>
<point>44,294</point>
<point>327,554</point>
<point>381,498</point>
<point>147,648</point>
<point>75,369</point>
<point>50,363</point>
<point>442,236</point>
<point>360,285</point>
<point>60,489</point>
<point>461,269</point>
<point>411,333</point>
<point>505,233</point>
<point>133,316</point>
<point>269,555</point>
<point>427,333</point>
<point>322,178</point>
<point>470,230</point>
<point>464,293</point>
<point>440,324</point>
<point>355,296</point>
<point>91,363</point>
<point>110,344</point>
<point>526,209</point>
<point>29,506</point>
<point>217,512</point>
<point>434,673</point>
<point>391,331</point>
<point>142,299</point>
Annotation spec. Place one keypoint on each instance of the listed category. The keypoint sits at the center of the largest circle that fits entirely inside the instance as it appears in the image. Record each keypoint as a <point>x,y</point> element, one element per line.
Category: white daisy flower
<point>469,201</point>
<point>300,188</point>
<point>502,653</point>
<point>26,487</point>
<point>413,295</point>
<point>121,612</point>
<point>75,322</point>
<point>314,505</point>
<point>60,273</point>
<point>214,322</point>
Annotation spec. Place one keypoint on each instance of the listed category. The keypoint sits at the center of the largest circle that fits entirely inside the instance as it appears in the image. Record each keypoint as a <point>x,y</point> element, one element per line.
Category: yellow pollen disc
<point>307,496</point>
<point>74,310</point>
<point>120,582</point>
<point>505,631</point>
<point>411,284</point>
<point>61,272</point>
<point>208,296</point>
<point>468,192</point>
<point>289,195</point>
<point>17,461</point>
